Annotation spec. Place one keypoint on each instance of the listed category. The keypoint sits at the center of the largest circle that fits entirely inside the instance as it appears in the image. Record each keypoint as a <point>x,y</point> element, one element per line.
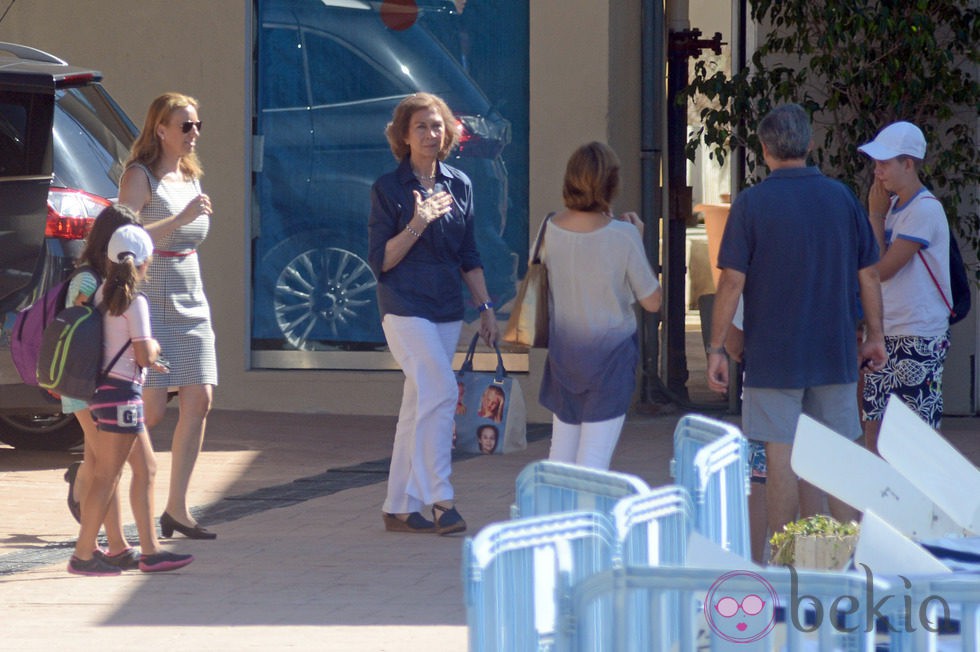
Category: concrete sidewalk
<point>301,561</point>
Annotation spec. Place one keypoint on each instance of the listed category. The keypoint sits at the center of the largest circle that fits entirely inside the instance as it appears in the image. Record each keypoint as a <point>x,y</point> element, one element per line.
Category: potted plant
<point>818,542</point>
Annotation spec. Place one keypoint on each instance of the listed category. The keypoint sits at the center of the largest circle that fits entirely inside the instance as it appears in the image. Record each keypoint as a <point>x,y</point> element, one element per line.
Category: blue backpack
<point>69,362</point>
<point>25,340</point>
<point>959,284</point>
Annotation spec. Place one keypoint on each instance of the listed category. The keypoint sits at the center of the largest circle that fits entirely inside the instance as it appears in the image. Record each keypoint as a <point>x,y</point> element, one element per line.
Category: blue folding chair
<point>963,592</point>
<point>692,433</point>
<point>711,462</point>
<point>728,610</point>
<point>940,613</point>
<point>517,578</point>
<point>652,529</point>
<point>546,487</point>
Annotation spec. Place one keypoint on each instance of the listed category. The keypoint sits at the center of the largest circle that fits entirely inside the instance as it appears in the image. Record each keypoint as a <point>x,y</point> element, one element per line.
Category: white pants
<point>587,444</point>
<point>421,458</point>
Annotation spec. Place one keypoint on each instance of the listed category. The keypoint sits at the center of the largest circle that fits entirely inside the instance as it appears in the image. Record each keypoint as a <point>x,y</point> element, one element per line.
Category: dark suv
<point>63,142</point>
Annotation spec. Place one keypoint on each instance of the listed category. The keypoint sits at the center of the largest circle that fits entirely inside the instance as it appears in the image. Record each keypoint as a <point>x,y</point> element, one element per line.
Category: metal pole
<point>679,205</point>
<point>651,158</point>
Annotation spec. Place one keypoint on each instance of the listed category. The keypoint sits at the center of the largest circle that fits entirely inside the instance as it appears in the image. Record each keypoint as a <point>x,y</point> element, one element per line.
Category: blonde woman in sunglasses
<point>162,184</point>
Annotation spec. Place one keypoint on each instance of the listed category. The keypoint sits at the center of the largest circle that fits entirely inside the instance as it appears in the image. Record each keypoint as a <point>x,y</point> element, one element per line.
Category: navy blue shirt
<point>800,238</point>
<point>427,282</point>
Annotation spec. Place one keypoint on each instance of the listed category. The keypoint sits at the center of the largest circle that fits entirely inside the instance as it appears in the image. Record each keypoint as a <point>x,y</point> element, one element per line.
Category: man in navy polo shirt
<point>798,246</point>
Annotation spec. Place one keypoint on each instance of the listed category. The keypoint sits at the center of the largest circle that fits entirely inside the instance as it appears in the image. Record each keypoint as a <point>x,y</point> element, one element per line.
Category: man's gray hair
<point>786,132</point>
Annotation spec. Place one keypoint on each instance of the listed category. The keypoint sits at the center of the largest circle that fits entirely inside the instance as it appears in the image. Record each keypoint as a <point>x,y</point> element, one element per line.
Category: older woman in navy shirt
<point>422,248</point>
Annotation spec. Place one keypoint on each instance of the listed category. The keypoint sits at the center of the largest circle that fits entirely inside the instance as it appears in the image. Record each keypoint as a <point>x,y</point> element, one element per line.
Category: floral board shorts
<point>914,373</point>
<point>757,461</point>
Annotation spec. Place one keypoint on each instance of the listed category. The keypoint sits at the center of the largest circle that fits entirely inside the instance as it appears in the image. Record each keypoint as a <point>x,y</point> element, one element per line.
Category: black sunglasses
<point>186,126</point>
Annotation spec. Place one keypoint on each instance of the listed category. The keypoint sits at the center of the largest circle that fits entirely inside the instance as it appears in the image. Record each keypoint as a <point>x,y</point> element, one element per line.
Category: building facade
<point>583,64</point>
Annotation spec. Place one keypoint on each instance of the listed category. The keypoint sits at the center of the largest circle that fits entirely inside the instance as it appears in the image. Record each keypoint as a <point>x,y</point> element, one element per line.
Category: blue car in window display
<point>329,73</point>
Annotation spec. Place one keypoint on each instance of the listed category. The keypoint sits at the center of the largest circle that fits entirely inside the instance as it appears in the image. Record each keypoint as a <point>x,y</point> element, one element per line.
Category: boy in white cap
<point>913,236</point>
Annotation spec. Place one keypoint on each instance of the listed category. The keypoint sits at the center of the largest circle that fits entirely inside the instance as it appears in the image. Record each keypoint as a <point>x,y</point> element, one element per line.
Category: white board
<point>932,464</point>
<point>886,551</point>
<point>865,481</point>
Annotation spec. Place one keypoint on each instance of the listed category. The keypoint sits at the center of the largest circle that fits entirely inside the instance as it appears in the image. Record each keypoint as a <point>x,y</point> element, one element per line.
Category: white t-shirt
<point>912,304</point>
<point>594,278</point>
<point>131,326</point>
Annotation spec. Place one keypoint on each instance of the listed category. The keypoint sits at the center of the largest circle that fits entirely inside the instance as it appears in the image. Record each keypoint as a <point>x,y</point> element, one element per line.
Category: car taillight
<point>481,137</point>
<point>71,213</point>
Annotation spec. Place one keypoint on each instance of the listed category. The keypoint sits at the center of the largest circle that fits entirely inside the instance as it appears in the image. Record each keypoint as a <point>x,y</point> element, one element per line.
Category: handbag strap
<point>949,306</point>
<point>105,372</point>
<point>935,282</point>
<point>468,360</point>
<point>539,241</point>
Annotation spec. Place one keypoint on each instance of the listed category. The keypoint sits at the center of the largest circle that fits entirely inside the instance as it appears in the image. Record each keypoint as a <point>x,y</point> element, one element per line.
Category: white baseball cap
<point>132,240</point>
<point>894,140</point>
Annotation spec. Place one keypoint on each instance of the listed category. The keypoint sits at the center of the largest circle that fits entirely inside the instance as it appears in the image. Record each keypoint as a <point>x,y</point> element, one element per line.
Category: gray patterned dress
<point>179,311</point>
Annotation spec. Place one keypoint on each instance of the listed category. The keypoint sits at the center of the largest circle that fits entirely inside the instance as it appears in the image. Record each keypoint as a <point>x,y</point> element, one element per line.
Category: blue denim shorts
<point>118,407</point>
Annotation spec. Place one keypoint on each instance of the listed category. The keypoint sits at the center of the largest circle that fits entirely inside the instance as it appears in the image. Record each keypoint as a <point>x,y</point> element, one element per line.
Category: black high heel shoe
<point>168,524</point>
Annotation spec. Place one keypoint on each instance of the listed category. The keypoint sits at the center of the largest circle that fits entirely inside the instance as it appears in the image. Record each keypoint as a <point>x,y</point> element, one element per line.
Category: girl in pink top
<point>117,406</point>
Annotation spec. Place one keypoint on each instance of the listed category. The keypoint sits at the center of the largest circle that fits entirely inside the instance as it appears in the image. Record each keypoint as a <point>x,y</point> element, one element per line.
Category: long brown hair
<point>97,242</point>
<point>121,285</point>
<point>146,149</point>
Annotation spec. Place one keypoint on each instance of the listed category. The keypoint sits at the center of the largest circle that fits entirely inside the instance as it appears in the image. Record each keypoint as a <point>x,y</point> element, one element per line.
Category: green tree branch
<point>857,66</point>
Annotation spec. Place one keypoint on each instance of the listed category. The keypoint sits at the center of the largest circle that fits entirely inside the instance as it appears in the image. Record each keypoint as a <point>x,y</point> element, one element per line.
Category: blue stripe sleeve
<point>921,241</point>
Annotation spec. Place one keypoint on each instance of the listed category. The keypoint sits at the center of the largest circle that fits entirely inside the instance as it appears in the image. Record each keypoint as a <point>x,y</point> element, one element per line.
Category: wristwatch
<point>715,349</point>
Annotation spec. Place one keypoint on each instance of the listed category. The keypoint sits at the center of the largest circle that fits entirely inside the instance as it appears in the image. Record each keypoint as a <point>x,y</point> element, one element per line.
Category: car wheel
<point>325,295</point>
<point>41,432</point>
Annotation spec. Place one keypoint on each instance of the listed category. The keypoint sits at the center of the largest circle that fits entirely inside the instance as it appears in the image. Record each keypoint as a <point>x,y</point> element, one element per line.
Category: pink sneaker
<point>163,561</point>
<point>93,567</point>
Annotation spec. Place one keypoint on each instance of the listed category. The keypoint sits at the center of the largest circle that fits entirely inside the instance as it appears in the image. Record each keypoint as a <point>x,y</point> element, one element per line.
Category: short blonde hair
<point>591,178</point>
<point>397,129</point>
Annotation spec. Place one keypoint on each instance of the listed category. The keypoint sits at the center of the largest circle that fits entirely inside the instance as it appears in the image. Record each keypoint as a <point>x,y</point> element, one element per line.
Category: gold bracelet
<point>409,228</point>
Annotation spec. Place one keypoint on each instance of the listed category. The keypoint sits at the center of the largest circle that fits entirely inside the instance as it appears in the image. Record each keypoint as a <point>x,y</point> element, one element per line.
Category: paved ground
<point>302,560</point>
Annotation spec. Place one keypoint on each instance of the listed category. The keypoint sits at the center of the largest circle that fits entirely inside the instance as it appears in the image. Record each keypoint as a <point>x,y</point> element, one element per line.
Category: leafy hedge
<point>856,67</point>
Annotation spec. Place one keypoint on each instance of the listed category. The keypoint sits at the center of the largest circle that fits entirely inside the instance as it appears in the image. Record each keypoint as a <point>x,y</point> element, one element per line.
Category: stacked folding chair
<point>652,529</point>
<point>547,487</point>
<point>963,596</point>
<point>597,561</point>
<point>518,575</point>
<point>704,621</point>
<point>711,462</point>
